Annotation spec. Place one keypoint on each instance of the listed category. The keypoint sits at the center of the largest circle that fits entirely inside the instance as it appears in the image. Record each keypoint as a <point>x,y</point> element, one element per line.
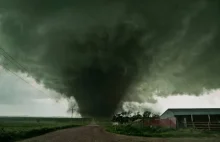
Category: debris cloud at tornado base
<point>105,52</point>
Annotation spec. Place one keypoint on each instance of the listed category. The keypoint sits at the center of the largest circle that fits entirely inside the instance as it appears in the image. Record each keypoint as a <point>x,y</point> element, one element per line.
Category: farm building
<point>199,118</point>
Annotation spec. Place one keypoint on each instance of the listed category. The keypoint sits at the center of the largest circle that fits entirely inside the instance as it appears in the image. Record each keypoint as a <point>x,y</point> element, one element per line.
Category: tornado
<point>105,52</point>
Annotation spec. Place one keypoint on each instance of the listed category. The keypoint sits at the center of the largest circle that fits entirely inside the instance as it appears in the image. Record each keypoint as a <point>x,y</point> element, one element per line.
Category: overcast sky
<point>211,100</point>
<point>18,98</point>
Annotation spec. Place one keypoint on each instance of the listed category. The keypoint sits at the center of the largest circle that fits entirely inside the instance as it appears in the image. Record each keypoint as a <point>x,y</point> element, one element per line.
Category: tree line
<point>128,116</point>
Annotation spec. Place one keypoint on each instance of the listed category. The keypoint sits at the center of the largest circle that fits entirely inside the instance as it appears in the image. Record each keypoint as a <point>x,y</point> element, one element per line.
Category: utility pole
<point>72,112</point>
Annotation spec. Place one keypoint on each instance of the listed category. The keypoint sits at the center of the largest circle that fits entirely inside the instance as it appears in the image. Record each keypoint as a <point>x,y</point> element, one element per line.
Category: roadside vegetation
<point>159,131</point>
<point>127,123</point>
<point>14,130</point>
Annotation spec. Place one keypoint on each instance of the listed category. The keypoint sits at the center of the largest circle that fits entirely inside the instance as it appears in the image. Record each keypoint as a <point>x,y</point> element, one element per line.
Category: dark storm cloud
<point>99,51</point>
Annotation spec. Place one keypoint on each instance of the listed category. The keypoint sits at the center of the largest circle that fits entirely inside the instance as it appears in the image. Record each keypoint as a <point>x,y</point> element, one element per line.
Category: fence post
<point>185,122</point>
<point>209,121</point>
<point>192,121</point>
<point>170,122</point>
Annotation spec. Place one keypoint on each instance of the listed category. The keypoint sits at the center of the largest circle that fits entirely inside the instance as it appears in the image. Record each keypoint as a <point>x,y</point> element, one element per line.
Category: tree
<point>125,116</point>
<point>136,116</point>
<point>150,115</point>
<point>122,117</point>
<point>155,116</point>
<point>147,114</point>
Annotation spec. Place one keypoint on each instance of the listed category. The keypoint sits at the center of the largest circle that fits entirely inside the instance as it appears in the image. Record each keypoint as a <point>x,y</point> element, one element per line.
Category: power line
<point>23,79</point>
<point>12,60</point>
<point>7,56</point>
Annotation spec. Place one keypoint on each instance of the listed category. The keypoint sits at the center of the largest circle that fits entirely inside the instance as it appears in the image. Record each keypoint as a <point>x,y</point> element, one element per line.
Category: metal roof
<point>193,111</point>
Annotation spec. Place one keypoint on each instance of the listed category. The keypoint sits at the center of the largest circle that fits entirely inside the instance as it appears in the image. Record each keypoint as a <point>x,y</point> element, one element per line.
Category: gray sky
<point>17,98</point>
<point>211,100</point>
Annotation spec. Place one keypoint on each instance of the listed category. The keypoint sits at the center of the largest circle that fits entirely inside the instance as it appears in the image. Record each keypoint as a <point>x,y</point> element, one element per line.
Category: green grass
<point>159,131</point>
<point>15,130</point>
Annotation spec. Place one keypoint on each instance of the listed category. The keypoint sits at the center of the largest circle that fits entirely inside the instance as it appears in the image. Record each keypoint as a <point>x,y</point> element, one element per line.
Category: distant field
<point>18,128</point>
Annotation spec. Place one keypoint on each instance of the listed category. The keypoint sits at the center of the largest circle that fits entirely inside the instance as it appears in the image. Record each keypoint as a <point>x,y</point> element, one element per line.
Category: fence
<point>204,125</point>
<point>170,122</point>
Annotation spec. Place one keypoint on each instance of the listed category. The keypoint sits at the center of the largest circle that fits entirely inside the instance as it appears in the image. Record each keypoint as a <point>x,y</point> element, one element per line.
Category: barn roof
<point>190,111</point>
<point>195,111</point>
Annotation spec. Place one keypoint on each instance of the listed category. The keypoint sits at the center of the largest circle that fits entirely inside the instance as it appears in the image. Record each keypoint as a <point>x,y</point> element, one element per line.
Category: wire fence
<point>204,125</point>
<point>172,123</point>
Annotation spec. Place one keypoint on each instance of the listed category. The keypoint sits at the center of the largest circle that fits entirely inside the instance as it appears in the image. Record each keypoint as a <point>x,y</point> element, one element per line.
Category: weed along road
<point>95,133</point>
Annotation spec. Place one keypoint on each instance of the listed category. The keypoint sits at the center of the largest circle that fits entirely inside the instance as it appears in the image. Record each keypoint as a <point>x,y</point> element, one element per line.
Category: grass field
<point>18,128</point>
<point>159,132</point>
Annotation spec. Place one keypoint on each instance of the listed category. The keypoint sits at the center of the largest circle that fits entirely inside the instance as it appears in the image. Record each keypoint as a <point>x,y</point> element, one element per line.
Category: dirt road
<point>95,133</point>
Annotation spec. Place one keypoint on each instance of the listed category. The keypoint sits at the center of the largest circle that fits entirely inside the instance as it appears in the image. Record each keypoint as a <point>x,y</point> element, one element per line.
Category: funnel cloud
<point>105,52</point>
